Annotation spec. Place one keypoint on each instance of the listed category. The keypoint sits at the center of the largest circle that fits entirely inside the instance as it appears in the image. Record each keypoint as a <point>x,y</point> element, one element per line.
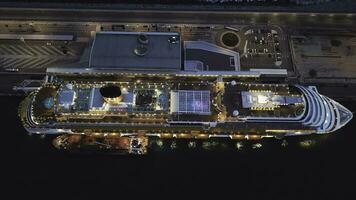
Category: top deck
<point>173,101</point>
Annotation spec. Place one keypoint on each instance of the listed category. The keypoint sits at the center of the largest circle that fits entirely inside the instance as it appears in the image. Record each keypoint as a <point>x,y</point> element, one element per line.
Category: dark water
<point>34,168</point>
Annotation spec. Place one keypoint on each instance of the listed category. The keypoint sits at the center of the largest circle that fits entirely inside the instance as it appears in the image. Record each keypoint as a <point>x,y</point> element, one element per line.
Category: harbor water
<point>306,166</point>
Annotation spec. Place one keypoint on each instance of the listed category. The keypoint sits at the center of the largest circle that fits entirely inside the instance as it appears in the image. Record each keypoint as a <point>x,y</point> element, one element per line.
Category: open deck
<point>180,105</point>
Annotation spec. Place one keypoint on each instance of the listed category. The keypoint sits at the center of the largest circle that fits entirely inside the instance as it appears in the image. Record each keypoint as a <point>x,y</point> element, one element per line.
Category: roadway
<point>178,17</point>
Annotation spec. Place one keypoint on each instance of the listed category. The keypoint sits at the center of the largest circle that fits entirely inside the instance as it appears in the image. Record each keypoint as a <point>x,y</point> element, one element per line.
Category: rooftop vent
<point>141,50</point>
<point>143,39</point>
<point>173,39</point>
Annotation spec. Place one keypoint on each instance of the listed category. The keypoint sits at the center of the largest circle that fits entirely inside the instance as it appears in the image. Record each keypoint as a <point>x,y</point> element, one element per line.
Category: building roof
<point>136,51</point>
<point>190,101</point>
<point>204,56</point>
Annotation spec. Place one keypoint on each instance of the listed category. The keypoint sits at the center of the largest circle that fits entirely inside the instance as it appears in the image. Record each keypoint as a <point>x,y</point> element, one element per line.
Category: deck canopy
<point>190,102</point>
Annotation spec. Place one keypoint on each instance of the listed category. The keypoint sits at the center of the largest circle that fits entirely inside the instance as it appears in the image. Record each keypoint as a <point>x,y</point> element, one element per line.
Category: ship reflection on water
<point>225,145</point>
<point>217,145</point>
<point>157,145</point>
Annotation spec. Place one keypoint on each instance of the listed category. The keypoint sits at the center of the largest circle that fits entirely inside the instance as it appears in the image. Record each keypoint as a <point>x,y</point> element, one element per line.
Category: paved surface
<point>265,47</point>
<point>37,55</point>
<point>167,16</point>
<point>324,55</point>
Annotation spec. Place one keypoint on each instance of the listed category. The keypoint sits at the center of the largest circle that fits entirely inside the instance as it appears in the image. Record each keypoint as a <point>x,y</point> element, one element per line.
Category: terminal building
<point>160,52</point>
<point>136,51</point>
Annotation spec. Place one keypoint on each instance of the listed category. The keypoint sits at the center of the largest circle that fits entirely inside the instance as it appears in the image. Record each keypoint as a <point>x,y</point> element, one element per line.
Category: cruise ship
<point>119,110</point>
